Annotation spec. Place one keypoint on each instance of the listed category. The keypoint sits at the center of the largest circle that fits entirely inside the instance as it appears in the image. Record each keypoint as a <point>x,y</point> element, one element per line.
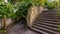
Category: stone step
<point>49,12</point>
<point>53,21</point>
<point>53,11</point>
<point>40,31</point>
<point>45,30</point>
<point>48,27</point>
<point>42,19</point>
<point>49,15</point>
<point>47,24</point>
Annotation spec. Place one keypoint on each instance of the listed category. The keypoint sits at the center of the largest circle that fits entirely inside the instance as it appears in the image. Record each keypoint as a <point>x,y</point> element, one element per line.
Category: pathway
<point>19,28</point>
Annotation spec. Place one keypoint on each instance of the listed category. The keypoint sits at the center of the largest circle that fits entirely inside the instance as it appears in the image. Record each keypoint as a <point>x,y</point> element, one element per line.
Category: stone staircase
<point>46,22</point>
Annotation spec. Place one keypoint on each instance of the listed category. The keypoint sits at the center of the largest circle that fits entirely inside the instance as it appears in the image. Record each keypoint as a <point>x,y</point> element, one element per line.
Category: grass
<point>59,26</point>
<point>2,31</point>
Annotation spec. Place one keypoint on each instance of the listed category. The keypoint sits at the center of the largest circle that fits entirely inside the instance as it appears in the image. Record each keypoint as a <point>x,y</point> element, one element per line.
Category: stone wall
<point>7,22</point>
<point>32,14</point>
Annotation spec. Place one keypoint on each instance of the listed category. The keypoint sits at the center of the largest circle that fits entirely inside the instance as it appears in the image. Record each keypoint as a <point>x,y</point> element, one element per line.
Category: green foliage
<point>59,13</point>
<point>51,4</point>
<point>1,0</point>
<point>38,2</point>
<point>3,31</point>
<point>10,1</point>
<point>5,9</point>
<point>2,8</point>
<point>58,27</point>
<point>8,9</point>
<point>22,8</point>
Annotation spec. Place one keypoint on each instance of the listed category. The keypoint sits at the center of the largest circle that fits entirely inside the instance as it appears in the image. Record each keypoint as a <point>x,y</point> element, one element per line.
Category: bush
<point>7,10</point>
<point>22,8</point>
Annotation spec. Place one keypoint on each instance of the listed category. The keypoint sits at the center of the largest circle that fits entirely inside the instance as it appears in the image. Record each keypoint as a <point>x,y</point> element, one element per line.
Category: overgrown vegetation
<point>6,9</point>
<point>12,11</point>
<point>52,4</point>
<point>22,7</point>
<point>18,8</point>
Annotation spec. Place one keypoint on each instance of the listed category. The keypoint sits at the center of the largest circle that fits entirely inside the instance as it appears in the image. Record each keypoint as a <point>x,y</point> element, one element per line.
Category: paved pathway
<point>19,28</point>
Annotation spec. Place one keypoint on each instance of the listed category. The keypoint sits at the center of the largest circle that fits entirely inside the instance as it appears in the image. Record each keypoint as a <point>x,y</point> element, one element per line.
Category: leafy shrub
<point>5,9</point>
<point>22,8</point>
<point>10,1</point>
<point>8,9</point>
